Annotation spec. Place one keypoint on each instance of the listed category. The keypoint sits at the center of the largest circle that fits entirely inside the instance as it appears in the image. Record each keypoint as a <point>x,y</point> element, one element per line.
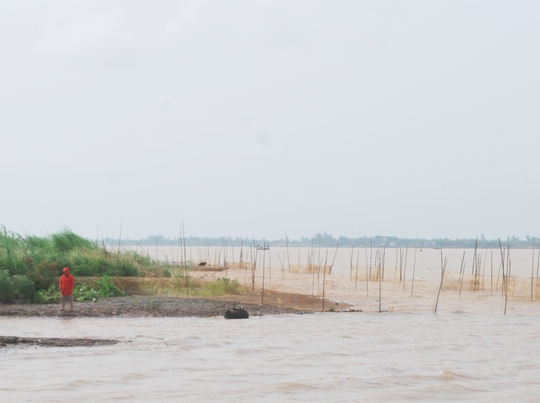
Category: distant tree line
<point>327,240</point>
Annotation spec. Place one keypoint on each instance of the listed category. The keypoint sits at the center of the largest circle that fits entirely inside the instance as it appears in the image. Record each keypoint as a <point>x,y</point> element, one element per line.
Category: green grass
<point>42,259</point>
<point>31,261</point>
<point>222,286</point>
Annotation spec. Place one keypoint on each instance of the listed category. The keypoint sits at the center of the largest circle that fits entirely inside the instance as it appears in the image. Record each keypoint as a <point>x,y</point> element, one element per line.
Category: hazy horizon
<point>260,118</point>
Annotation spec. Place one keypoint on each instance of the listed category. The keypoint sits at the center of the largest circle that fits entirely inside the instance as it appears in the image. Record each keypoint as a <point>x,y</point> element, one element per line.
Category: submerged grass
<point>177,286</point>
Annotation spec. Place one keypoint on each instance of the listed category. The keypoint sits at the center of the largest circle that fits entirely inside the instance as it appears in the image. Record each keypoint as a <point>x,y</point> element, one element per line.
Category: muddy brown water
<point>469,351</point>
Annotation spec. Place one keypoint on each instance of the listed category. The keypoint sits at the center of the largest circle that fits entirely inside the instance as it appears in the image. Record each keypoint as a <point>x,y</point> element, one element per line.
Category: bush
<point>49,296</point>
<point>7,291</point>
<point>107,288</point>
<point>84,292</point>
<point>45,274</point>
<point>104,288</point>
<point>25,288</point>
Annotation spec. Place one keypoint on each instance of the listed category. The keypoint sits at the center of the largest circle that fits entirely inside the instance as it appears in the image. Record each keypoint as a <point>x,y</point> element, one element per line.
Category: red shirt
<point>67,283</point>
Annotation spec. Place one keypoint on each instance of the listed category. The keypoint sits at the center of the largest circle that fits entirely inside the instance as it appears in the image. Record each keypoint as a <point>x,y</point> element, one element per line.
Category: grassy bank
<point>30,263</point>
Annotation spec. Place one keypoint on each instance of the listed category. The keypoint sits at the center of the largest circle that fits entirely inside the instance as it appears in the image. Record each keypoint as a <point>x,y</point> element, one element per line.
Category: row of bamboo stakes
<point>375,266</point>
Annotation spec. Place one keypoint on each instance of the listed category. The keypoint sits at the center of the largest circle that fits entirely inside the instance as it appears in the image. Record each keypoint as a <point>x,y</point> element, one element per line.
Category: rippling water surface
<point>331,357</point>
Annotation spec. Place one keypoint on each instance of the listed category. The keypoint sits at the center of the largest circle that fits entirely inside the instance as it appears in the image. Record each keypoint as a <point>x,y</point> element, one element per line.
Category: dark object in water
<point>202,264</point>
<point>236,313</point>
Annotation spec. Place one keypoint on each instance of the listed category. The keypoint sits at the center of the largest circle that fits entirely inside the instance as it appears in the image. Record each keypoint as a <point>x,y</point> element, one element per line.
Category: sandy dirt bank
<point>166,306</point>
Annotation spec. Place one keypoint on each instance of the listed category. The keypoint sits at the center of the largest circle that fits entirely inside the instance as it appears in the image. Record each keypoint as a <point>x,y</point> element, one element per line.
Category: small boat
<point>264,247</point>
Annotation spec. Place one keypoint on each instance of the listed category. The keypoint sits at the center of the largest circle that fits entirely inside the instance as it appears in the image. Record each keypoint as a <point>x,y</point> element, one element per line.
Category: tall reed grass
<point>41,259</point>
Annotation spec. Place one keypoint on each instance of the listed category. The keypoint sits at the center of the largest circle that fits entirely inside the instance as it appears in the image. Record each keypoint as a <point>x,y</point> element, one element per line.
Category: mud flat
<point>167,306</point>
<point>155,306</point>
<point>6,341</point>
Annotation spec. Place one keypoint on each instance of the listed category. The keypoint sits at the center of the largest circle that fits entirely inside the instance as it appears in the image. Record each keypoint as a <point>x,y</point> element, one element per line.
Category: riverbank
<point>274,303</point>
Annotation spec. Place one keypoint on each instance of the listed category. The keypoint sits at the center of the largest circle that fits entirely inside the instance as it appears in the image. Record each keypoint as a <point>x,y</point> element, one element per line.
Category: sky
<point>265,118</point>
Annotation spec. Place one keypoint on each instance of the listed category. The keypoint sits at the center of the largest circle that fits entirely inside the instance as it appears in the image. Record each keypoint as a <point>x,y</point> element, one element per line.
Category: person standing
<point>67,282</point>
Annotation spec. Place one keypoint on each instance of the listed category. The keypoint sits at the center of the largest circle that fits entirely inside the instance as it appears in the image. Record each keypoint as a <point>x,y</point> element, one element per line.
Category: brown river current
<point>468,351</point>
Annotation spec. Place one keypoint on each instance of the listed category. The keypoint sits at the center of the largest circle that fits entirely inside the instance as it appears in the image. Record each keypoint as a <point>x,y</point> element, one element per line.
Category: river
<point>468,351</point>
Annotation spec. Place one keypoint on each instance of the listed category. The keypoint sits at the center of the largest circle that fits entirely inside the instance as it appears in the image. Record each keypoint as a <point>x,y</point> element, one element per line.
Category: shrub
<point>25,289</point>
<point>48,296</point>
<point>107,288</point>
<point>84,292</point>
<point>45,274</point>
<point>7,294</point>
<point>104,288</point>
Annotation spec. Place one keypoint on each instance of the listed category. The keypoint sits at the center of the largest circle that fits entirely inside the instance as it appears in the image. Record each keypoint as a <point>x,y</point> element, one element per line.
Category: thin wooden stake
<point>405,266</point>
<point>263,268</point>
<point>491,262</point>
<point>413,270</point>
<point>367,274</point>
<point>324,278</point>
<point>288,258</point>
<point>351,263</point>
<point>380,278</point>
<point>504,280</point>
<point>532,273</point>
<point>185,259</point>
<point>356,280</point>
<point>461,273</point>
<point>443,269</point>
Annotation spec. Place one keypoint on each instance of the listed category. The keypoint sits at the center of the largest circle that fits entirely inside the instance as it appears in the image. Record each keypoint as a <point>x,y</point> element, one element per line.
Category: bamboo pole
<point>288,258</point>
<point>367,274</point>
<point>324,279</point>
<point>508,275</point>
<point>356,280</point>
<point>532,273</point>
<point>269,268</point>
<point>319,263</point>
<point>263,269</point>
<point>398,251</point>
<point>253,265</point>
<point>335,254</point>
<point>484,271</point>
<point>461,273</point>
<point>232,253</point>
<point>310,263</point>
<point>405,266</point>
<point>351,263</point>
<point>281,265</point>
<point>491,262</point>
<point>178,253</point>
<point>185,259</point>
<point>118,253</point>
<point>414,269</point>
<point>370,257</point>
<point>311,257</point>
<point>380,279</point>
<point>503,282</point>
<point>537,264</point>
<point>443,269</point>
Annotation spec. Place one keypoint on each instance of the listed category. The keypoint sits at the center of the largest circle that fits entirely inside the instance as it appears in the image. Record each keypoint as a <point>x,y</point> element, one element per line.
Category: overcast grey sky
<point>405,118</point>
